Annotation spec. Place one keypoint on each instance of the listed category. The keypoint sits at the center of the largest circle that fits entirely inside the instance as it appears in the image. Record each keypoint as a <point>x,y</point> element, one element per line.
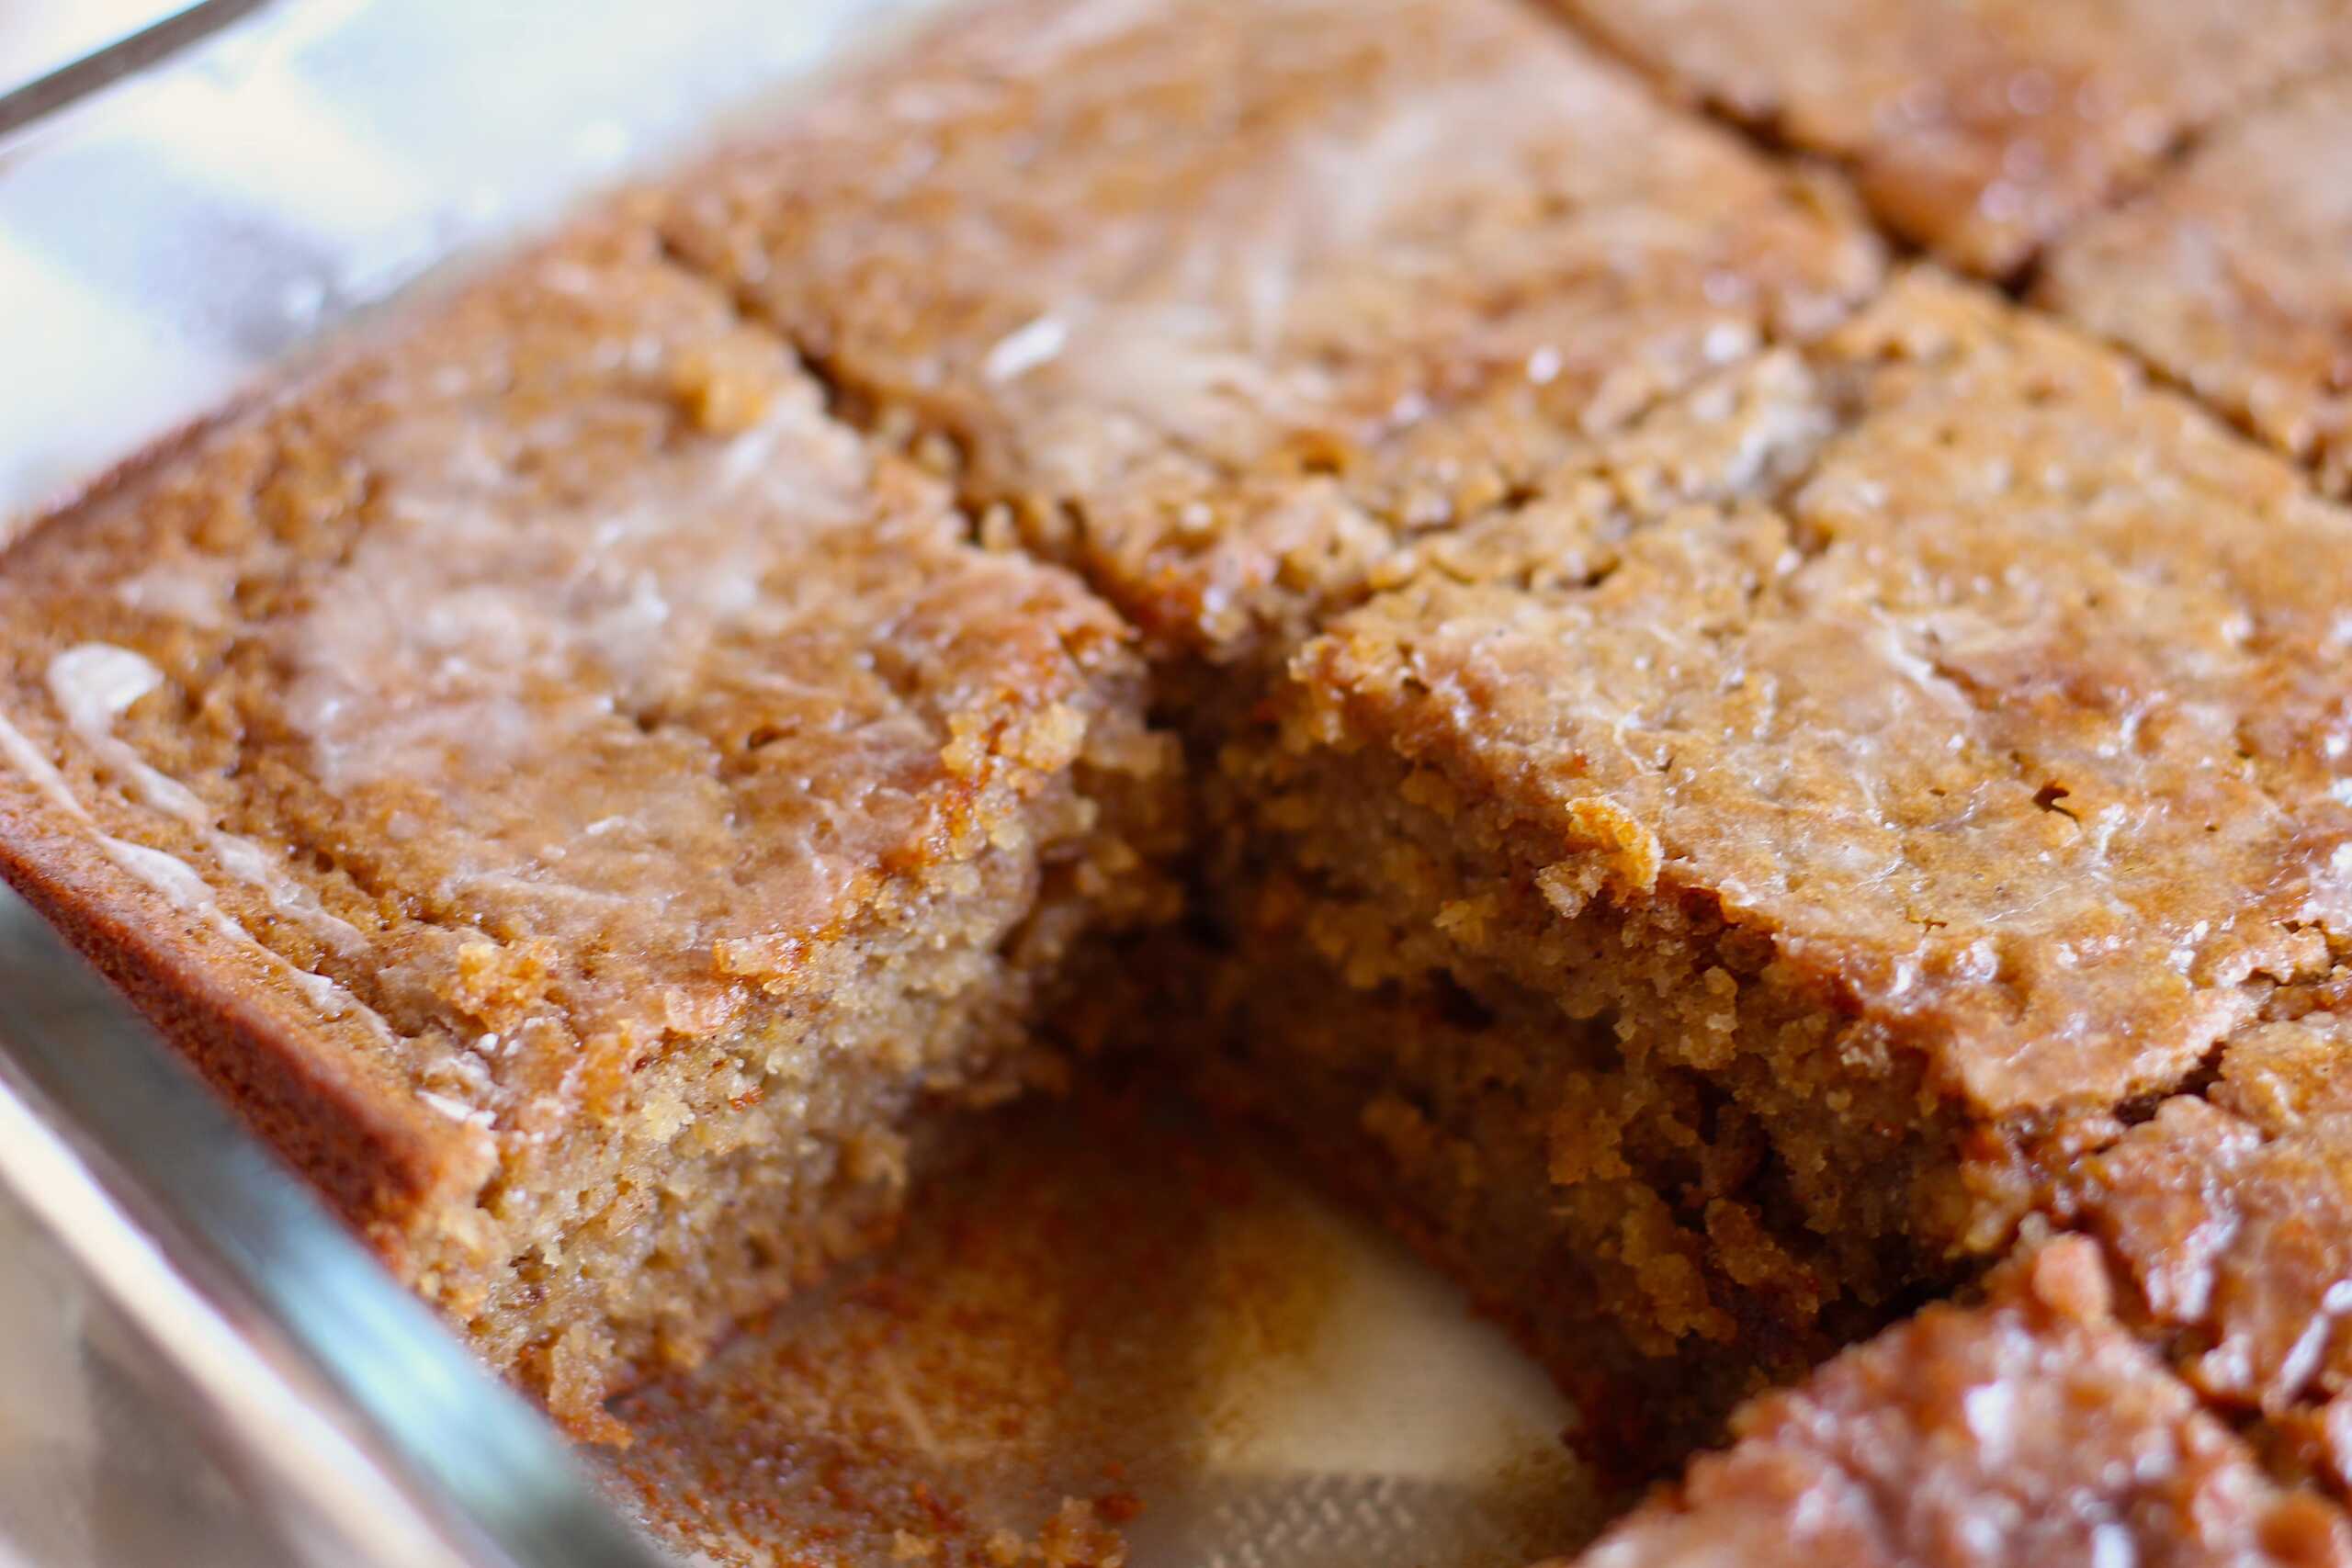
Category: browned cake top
<point>2231,274</point>
<point>2031,1430</point>
<point>1979,128</point>
<point>2005,696</point>
<point>2225,1217</point>
<point>1227,295</point>
<point>558,672</point>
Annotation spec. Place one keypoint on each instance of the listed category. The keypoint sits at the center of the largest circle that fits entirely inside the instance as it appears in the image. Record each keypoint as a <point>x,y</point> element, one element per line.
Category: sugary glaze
<point>587,742</point>
<point>2008,713</point>
<point>2029,1430</point>
<point>1901,759</point>
<point>1221,302</point>
<point>1979,129</point>
<point>2223,1214</point>
<point>2228,275</point>
<point>1788,783</point>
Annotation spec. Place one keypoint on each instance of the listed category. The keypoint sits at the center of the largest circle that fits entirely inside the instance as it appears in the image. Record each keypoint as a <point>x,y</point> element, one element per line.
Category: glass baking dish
<point>196,1365</point>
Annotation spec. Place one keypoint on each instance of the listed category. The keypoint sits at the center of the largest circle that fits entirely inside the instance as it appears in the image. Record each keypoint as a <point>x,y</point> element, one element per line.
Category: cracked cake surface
<point>2227,273</point>
<point>2030,1428</point>
<point>1729,791</point>
<point>2014,718</point>
<point>2222,1217</point>
<point>572,790</point>
<point>1978,128</point>
<point>1791,843</point>
<point>1219,303</point>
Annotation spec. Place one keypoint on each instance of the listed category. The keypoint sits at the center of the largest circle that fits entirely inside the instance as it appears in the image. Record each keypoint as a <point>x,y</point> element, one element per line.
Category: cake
<point>1977,129</point>
<point>589,810</point>
<point>1784,818</point>
<point>1217,303</point>
<point>2029,1428</point>
<point>2222,1215</point>
<point>1802,864</point>
<point>2227,273</point>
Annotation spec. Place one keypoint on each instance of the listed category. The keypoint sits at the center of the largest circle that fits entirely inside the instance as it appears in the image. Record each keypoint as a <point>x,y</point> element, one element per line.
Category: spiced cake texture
<point>1978,128</point>
<point>1218,302</point>
<point>1812,859</point>
<point>584,804</point>
<point>2228,275</point>
<point>1726,793</point>
<point>2030,1428</point>
<point>2223,1214</point>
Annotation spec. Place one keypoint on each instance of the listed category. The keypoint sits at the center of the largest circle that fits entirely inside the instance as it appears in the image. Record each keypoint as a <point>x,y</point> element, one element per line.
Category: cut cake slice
<point>1721,814</point>
<point>2228,275</point>
<point>1717,900</point>
<point>1979,129</point>
<point>2032,1429</point>
<point>1217,302</point>
<point>581,803</point>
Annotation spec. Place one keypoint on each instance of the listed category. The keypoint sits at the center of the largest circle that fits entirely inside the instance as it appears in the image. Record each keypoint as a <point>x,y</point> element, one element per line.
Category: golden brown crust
<point>2032,1429</point>
<point>2007,715</point>
<point>2228,275</point>
<point>1979,130</point>
<point>517,759</point>
<point>2225,1216</point>
<point>344,1124</point>
<point>1224,300</point>
<point>298,1080</point>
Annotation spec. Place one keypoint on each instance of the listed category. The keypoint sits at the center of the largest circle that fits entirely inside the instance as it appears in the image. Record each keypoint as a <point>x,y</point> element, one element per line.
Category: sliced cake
<point>1217,302</point>
<point>1728,797</point>
<point>2029,1430</point>
<point>2227,1219</point>
<point>584,805</point>
<point>1713,901</point>
<point>2229,275</point>
<point>1979,129</point>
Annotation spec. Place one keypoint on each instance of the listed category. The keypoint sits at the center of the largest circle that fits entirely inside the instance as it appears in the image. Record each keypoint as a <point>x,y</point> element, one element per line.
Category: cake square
<point>1726,796</point>
<point>2222,1215</point>
<point>1216,302</point>
<point>1758,864</point>
<point>1980,129</point>
<point>584,805</point>
<point>2227,273</point>
<point>2031,1428</point>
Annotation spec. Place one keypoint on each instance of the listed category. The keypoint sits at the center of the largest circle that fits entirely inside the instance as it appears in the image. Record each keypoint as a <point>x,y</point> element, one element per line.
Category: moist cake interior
<point>1353,552</point>
<point>588,808</point>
